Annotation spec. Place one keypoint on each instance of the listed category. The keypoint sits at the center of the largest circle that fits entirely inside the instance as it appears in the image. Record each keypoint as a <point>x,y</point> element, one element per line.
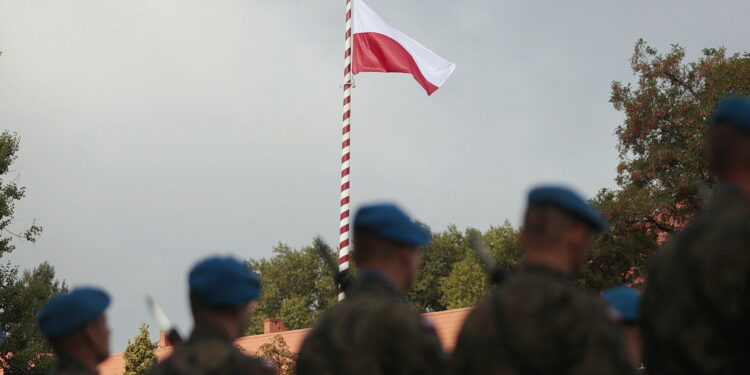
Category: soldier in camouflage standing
<point>696,305</point>
<point>76,327</point>
<point>539,322</point>
<point>223,292</point>
<point>373,332</point>
<point>625,309</point>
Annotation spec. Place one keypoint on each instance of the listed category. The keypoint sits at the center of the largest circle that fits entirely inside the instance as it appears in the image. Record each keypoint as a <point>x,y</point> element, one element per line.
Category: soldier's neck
<point>83,357</point>
<point>393,274</point>
<point>549,258</point>
<point>225,325</point>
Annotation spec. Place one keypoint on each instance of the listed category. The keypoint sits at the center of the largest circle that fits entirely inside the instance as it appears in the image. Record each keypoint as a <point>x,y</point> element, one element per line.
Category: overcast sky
<point>156,132</point>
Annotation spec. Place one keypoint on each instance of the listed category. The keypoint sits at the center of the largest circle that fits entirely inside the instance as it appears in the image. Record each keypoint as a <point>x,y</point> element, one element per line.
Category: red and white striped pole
<point>344,229</point>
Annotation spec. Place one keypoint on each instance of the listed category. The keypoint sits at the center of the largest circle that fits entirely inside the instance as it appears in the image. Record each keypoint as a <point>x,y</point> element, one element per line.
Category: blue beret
<point>390,222</point>
<point>223,282</point>
<point>568,201</point>
<point>66,313</point>
<point>626,302</point>
<point>733,111</point>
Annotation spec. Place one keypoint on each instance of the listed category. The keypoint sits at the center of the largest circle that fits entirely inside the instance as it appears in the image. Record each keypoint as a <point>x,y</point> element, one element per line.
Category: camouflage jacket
<point>696,305</point>
<point>209,351</point>
<point>539,322</point>
<point>69,366</point>
<point>372,332</point>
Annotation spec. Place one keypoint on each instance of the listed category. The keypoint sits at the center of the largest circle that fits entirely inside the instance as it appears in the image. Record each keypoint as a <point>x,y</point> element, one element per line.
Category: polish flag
<point>378,47</point>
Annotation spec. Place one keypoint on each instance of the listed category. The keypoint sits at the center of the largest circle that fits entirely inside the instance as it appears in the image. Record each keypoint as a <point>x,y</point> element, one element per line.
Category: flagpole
<point>344,228</point>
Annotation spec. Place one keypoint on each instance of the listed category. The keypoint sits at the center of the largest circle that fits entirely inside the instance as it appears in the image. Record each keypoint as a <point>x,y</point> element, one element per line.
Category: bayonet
<point>165,325</point>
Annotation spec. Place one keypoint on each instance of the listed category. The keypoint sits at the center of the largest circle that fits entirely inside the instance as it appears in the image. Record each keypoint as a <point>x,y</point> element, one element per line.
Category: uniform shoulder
<point>717,235</point>
<point>541,287</point>
<point>251,364</point>
<point>480,319</point>
<point>68,366</point>
<point>364,305</point>
<point>71,371</point>
<point>203,355</point>
<point>551,295</point>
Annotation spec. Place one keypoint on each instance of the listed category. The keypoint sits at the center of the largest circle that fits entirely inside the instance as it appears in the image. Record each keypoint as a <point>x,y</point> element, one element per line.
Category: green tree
<point>20,297</point>
<point>438,258</point>
<point>468,281</point>
<point>297,286</point>
<point>662,174</point>
<point>140,353</point>
<point>277,351</point>
<point>10,192</point>
<point>619,257</point>
<point>24,349</point>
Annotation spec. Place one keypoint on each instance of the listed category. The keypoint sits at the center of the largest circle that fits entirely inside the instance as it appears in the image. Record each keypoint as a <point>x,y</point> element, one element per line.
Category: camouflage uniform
<point>69,366</point>
<point>372,332</point>
<point>539,322</point>
<point>209,351</point>
<point>696,306</point>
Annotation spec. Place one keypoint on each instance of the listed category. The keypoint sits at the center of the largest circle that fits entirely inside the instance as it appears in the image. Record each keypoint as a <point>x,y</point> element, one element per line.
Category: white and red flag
<point>378,47</point>
<point>371,45</point>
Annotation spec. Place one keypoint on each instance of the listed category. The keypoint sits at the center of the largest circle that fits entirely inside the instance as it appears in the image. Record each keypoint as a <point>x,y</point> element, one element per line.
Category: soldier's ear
<point>89,333</point>
<point>252,305</point>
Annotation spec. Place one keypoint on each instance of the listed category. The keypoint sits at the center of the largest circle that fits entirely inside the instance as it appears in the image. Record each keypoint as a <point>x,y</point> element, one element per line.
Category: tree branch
<point>659,224</point>
<point>681,83</point>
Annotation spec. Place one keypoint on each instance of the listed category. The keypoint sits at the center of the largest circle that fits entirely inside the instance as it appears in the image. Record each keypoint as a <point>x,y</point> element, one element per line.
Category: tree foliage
<point>140,353</point>
<point>10,192</point>
<point>662,174</point>
<point>468,281</point>
<point>20,296</point>
<point>446,249</point>
<point>25,350</point>
<point>277,351</point>
<point>297,286</point>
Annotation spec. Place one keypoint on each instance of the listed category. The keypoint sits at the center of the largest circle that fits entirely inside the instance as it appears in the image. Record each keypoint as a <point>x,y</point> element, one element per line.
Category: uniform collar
<point>374,277</point>
<point>203,331</point>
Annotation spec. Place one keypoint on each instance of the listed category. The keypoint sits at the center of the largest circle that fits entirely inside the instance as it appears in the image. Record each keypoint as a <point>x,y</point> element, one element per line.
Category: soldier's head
<point>558,227</point>
<point>625,311</point>
<point>387,240</point>
<point>729,141</point>
<point>223,292</point>
<point>76,325</point>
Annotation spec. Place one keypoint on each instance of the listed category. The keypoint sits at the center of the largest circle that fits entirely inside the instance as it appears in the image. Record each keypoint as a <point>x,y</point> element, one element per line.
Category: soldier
<point>625,312</point>
<point>223,292</point>
<point>696,305</point>
<point>76,327</point>
<point>539,322</point>
<point>373,332</point>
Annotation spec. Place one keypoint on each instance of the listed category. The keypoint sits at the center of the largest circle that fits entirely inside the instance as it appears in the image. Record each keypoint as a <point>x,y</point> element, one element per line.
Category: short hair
<point>545,225</point>
<point>368,245</point>
<point>62,344</point>
<point>197,305</point>
<point>728,149</point>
